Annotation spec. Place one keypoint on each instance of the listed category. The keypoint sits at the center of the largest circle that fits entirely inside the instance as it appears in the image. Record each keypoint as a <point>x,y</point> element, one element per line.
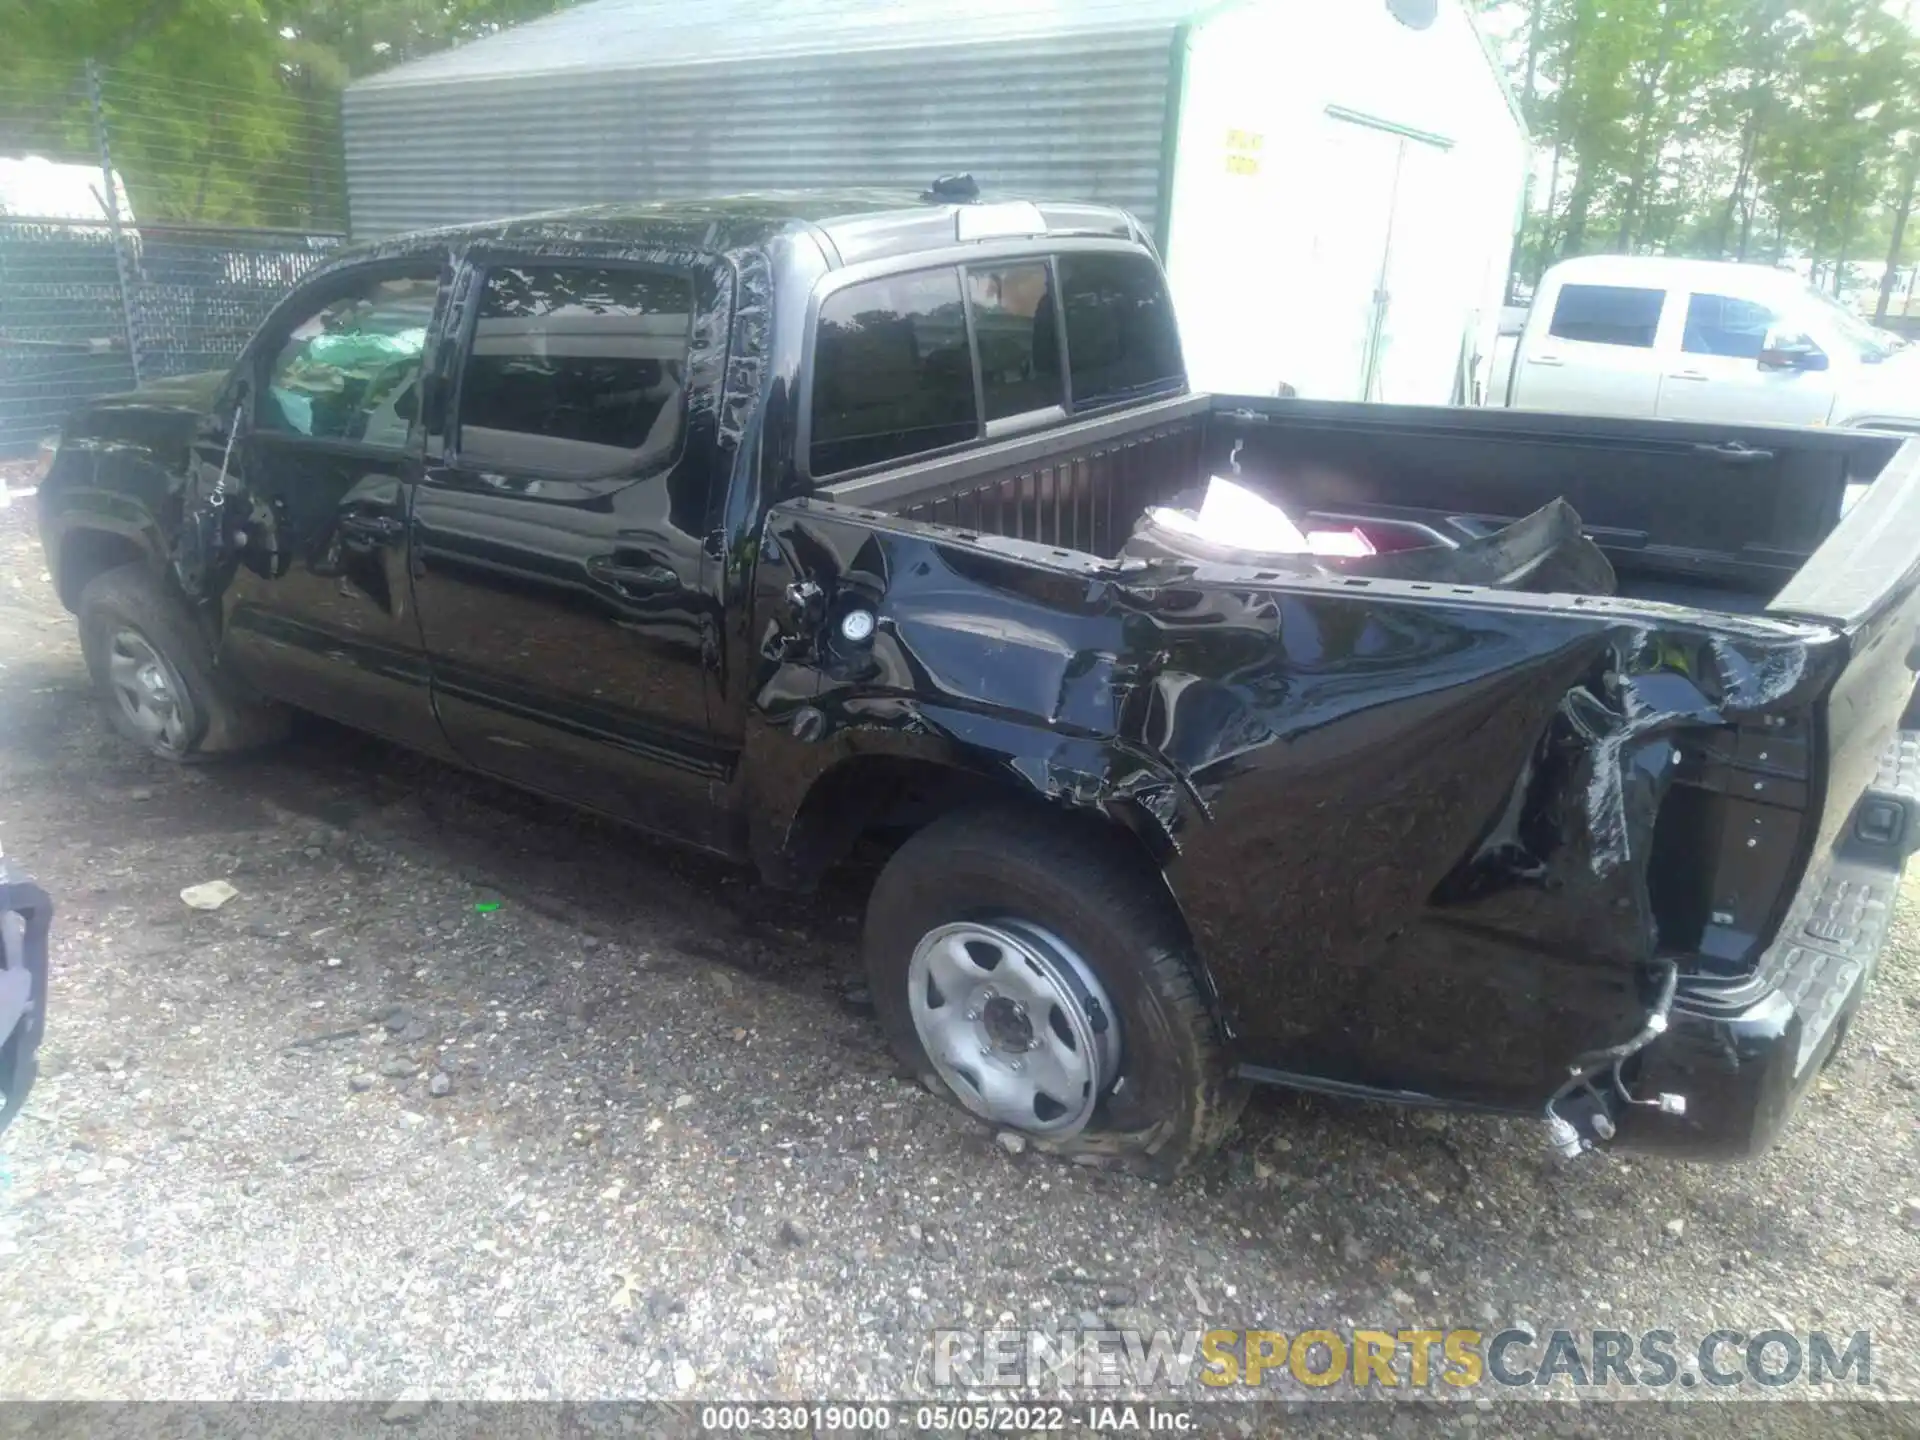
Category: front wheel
<point>1036,972</point>
<point>156,673</point>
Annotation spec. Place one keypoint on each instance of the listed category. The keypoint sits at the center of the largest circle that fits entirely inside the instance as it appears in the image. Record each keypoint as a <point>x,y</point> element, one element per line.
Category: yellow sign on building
<point>1243,152</point>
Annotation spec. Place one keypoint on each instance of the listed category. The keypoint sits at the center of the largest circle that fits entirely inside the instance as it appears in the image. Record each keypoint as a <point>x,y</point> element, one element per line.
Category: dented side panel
<point>1411,830</point>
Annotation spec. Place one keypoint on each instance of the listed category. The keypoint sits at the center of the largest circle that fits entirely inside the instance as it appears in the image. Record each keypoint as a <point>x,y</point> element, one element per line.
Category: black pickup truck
<point>773,523</point>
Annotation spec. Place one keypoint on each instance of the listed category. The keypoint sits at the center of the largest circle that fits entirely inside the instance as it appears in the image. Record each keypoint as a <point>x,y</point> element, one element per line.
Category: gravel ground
<point>632,1133</point>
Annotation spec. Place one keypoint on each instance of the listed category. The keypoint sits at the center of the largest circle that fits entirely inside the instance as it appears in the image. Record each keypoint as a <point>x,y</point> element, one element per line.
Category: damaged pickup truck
<point>1558,771</point>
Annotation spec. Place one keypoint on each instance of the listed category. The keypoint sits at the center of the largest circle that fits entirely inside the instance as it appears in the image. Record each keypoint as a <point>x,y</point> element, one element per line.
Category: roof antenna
<point>958,188</point>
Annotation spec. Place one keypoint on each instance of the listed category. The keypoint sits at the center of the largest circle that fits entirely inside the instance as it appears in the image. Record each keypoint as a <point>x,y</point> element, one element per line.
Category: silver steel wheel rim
<point>147,689</point>
<point>1016,1024</point>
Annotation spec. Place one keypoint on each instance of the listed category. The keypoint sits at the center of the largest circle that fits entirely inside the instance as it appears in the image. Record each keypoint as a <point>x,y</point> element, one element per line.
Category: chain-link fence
<point>145,229</point>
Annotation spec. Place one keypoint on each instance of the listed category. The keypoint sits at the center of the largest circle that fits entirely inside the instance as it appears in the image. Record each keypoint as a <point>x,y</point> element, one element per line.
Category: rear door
<point>318,613</point>
<point>560,561</point>
<point>1716,374</point>
<point>1590,349</point>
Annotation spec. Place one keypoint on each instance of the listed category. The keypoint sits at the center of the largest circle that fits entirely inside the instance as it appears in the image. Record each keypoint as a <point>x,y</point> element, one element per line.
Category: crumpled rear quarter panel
<point>1409,827</point>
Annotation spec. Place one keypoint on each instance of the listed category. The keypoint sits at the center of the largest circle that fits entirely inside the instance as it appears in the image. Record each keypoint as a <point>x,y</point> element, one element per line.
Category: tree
<point>1748,129</point>
<point>218,111</point>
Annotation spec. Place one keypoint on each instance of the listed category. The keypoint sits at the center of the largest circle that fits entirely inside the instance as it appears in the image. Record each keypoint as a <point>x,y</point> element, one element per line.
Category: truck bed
<point>1706,515</point>
<point>1727,787</point>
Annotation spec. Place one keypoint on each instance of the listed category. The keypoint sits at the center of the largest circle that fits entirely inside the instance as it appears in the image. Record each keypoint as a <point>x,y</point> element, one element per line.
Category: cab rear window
<point>892,372</point>
<point>1122,341</point>
<point>912,364</point>
<point>1017,333</point>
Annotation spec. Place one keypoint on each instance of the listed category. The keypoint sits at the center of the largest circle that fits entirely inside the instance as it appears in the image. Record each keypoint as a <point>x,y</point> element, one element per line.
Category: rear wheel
<point>154,671</point>
<point>1036,972</point>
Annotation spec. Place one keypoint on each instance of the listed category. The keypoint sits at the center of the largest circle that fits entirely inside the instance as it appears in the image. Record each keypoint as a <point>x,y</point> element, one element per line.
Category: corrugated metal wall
<point>1078,117</point>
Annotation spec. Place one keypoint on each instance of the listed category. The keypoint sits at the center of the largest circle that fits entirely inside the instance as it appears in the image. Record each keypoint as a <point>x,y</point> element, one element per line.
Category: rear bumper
<point>1743,1072</point>
<point>1745,1056</point>
<point>26,918</point>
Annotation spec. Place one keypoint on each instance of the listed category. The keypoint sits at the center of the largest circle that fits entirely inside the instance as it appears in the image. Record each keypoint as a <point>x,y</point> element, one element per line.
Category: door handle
<point>632,580</point>
<point>1545,360</point>
<point>381,528</point>
<point>1732,452</point>
<point>1687,375</point>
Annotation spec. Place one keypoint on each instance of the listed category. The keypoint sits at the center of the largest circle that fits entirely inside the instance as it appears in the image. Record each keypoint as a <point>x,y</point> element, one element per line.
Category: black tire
<point>1173,1097</point>
<point>216,714</point>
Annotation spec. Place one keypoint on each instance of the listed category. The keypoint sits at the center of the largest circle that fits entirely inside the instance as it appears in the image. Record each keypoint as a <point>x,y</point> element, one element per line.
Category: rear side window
<point>1608,315</point>
<point>892,372</point>
<point>1726,325</point>
<point>1122,340</point>
<point>577,371</point>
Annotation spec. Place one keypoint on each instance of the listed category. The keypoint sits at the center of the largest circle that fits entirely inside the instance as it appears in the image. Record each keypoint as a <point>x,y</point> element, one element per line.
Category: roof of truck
<point>855,224</point>
<point>1668,270</point>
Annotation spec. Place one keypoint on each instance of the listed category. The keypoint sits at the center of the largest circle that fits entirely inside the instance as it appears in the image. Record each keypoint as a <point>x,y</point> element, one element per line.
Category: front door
<point>1717,376</point>
<point>319,612</point>
<point>561,536</point>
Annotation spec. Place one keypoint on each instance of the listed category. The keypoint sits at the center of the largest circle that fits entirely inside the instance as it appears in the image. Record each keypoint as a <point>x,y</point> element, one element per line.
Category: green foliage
<point>1749,129</point>
<point>217,111</point>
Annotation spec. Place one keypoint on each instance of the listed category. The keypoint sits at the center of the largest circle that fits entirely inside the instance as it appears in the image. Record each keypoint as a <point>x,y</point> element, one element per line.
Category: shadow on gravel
<point>572,866</point>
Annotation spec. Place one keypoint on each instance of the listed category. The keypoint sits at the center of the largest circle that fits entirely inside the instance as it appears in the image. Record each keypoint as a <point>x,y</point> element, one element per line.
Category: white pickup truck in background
<point>1648,336</point>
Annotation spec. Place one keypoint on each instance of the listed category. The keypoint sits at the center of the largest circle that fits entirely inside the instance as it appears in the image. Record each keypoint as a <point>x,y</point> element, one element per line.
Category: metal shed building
<point>1335,186</point>
<point>616,99</point>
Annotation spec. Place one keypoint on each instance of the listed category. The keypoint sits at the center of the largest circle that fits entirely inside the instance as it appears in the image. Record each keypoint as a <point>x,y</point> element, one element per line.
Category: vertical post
<point>341,221</point>
<point>1377,324</point>
<point>110,201</point>
<point>1910,171</point>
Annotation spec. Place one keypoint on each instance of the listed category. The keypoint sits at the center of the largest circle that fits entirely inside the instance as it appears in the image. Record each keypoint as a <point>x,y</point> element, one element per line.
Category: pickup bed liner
<point>1688,514</point>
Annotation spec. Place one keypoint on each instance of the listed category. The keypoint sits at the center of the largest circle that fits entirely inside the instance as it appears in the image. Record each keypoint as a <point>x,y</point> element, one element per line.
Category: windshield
<point>1870,344</point>
<point>1848,329</point>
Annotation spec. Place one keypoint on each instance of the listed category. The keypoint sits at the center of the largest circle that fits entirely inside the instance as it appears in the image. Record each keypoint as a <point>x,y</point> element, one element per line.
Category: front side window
<point>1608,315</point>
<point>892,372</point>
<point>1019,338</point>
<point>577,371</point>
<point>1122,339</point>
<point>1726,325</point>
<point>351,370</point>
